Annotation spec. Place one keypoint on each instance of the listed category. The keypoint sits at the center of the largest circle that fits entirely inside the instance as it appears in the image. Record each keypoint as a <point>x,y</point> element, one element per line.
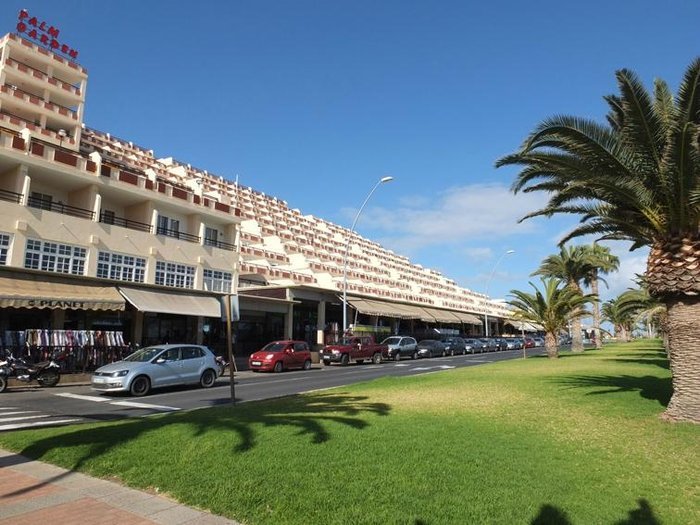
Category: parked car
<point>501,344</point>
<point>529,342</point>
<point>472,346</point>
<point>430,348</point>
<point>158,366</point>
<point>539,341</point>
<point>401,346</point>
<point>454,346</point>
<point>354,349</point>
<point>512,343</point>
<point>489,345</point>
<point>281,355</point>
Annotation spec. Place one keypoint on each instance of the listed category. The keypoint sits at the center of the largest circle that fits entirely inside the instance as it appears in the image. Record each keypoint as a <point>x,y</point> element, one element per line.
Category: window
<point>54,257</point>
<point>211,236</point>
<point>121,267</point>
<point>40,200</point>
<point>176,275</point>
<point>217,281</point>
<point>4,247</point>
<point>191,352</point>
<point>108,216</point>
<point>168,226</point>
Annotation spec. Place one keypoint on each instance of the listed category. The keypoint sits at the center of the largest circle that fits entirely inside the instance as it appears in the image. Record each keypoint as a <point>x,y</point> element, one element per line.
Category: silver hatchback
<point>158,366</point>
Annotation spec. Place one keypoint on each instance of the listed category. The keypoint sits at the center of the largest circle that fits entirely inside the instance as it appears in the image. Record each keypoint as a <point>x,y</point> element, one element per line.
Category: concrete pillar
<point>137,328</point>
<point>321,323</point>
<point>289,322</point>
<point>200,330</point>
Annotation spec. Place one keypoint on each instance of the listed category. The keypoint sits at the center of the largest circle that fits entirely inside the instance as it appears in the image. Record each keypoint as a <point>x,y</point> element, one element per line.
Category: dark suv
<point>455,346</point>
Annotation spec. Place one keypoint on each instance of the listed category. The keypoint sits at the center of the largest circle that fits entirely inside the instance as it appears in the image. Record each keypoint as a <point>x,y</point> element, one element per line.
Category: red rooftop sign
<point>43,33</point>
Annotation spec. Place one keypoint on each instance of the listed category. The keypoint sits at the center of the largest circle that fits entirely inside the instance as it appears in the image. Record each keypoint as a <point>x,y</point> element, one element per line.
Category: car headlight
<point>121,373</point>
<point>269,356</point>
<point>336,351</point>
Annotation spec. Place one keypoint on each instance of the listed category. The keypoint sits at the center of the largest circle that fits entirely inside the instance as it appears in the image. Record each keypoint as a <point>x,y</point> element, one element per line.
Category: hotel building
<point>104,239</point>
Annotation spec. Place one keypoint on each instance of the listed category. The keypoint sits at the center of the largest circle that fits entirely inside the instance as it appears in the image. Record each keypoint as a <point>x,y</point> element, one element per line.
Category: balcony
<point>10,196</point>
<point>59,207</point>
<point>178,235</point>
<point>219,244</point>
<point>108,218</point>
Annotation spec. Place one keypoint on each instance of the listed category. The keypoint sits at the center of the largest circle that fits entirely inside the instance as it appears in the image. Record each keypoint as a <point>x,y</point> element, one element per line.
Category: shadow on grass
<point>642,515</point>
<point>306,415</point>
<point>649,387</point>
<point>660,362</point>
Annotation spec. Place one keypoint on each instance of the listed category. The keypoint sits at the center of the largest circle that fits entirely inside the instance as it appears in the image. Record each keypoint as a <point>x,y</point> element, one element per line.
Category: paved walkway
<point>32,493</point>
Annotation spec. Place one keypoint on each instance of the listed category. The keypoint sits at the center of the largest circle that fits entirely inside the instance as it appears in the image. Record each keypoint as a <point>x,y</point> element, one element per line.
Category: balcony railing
<point>108,218</point>
<point>10,196</point>
<point>177,234</point>
<point>59,207</point>
<point>219,244</point>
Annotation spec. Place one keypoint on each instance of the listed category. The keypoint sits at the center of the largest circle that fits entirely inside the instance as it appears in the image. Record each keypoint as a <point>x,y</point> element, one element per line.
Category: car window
<point>300,347</point>
<point>191,352</point>
<point>173,354</point>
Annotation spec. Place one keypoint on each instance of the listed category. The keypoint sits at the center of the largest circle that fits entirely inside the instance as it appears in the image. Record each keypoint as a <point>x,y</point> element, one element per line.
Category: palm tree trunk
<point>596,312</point>
<point>683,335</point>
<point>550,345</point>
<point>576,336</point>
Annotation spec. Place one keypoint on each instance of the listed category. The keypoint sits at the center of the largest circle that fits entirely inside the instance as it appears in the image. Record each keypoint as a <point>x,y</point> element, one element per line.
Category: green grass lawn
<point>577,440</point>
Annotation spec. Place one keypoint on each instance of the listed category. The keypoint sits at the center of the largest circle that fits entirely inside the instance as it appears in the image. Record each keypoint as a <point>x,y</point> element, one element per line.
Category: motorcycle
<point>46,373</point>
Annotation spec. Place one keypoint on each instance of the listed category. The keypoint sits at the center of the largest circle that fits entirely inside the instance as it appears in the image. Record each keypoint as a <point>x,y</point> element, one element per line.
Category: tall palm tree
<point>601,262</point>
<point>571,266</point>
<point>644,308</point>
<point>638,179</point>
<point>552,308</point>
<point>622,320</point>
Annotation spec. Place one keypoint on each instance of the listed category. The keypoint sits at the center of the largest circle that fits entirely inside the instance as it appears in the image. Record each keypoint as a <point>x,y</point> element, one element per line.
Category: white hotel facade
<point>99,234</point>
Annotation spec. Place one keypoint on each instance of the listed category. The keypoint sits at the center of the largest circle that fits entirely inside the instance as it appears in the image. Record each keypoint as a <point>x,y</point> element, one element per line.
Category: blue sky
<point>314,101</point>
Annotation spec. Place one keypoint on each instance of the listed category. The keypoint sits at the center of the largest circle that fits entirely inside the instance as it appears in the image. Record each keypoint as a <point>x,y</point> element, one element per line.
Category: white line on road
<point>84,398</point>
<point>141,405</point>
<point>20,412</point>
<point>9,408</point>
<point>20,418</point>
<point>38,424</point>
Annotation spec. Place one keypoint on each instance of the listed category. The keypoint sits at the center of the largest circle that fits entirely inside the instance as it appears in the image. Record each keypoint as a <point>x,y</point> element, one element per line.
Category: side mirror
<point>289,351</point>
<point>160,361</point>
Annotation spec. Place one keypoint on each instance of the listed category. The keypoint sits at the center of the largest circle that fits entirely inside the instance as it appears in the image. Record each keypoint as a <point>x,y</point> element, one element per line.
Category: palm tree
<point>601,262</point>
<point>622,320</point>
<point>551,308</point>
<point>638,179</point>
<point>644,308</point>
<point>571,266</point>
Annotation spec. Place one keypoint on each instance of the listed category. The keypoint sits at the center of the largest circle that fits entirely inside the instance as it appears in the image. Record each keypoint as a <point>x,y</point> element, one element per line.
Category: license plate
<point>255,363</point>
<point>99,379</point>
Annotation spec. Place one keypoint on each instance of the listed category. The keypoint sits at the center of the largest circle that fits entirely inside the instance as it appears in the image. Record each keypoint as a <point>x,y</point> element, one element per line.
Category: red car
<point>281,355</point>
<point>529,342</point>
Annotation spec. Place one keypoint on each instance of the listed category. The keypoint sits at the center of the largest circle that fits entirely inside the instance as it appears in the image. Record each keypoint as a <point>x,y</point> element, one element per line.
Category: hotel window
<point>217,281</point>
<point>4,247</point>
<point>121,267</point>
<point>168,226</point>
<point>54,257</point>
<point>211,236</point>
<point>42,201</point>
<point>176,275</point>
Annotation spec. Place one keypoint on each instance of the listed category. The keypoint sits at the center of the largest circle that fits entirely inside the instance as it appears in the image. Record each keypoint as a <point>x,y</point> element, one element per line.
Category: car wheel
<point>307,364</point>
<point>397,357</point>
<point>414,355</point>
<point>444,353</point>
<point>452,353</point>
<point>140,386</point>
<point>3,383</point>
<point>208,378</point>
<point>344,360</point>
<point>377,358</point>
<point>278,367</point>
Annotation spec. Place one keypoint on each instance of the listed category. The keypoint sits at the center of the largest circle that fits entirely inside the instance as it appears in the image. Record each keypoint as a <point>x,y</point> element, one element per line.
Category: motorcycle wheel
<point>3,383</point>
<point>49,378</point>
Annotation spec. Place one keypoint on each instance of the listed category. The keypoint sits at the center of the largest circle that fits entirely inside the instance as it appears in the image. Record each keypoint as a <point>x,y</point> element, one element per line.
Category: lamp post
<point>347,250</point>
<point>62,135</point>
<point>488,283</point>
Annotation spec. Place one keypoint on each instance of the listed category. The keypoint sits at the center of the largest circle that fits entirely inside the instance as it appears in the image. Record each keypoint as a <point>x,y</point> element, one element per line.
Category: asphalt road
<point>32,406</point>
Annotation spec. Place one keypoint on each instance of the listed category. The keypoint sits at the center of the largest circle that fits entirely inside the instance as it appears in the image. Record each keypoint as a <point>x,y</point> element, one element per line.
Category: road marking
<point>37,424</point>
<point>9,408</point>
<point>84,398</point>
<point>20,412</point>
<point>423,368</point>
<point>20,418</point>
<point>133,404</point>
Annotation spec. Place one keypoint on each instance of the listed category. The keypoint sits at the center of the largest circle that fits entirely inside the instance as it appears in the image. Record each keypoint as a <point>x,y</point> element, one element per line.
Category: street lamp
<point>62,135</point>
<point>486,315</point>
<point>347,250</point>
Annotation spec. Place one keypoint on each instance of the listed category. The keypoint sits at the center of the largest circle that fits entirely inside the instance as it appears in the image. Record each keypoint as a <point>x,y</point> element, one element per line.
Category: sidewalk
<point>32,492</point>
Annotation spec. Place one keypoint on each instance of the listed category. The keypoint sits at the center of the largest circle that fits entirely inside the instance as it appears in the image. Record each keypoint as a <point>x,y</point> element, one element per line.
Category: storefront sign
<point>41,32</point>
<point>48,303</point>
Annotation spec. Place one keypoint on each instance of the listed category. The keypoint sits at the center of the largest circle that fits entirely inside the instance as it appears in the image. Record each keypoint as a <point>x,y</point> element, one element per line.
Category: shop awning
<point>172,302</point>
<point>372,307</point>
<point>36,291</point>
<point>441,316</point>
<point>466,318</point>
<point>522,325</point>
